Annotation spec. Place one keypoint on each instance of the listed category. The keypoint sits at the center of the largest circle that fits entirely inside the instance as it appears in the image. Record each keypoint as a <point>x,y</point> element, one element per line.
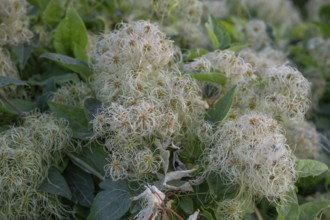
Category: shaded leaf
<point>75,116</point>
<point>7,81</point>
<point>56,184</point>
<point>310,210</point>
<point>325,28</point>
<point>187,205</point>
<point>94,157</point>
<point>206,214</point>
<point>218,187</point>
<point>324,13</point>
<point>75,65</point>
<point>110,205</point>
<point>110,185</point>
<point>22,105</point>
<point>220,110</point>
<point>81,185</point>
<point>41,4</point>
<point>23,52</point>
<point>307,167</point>
<point>92,107</point>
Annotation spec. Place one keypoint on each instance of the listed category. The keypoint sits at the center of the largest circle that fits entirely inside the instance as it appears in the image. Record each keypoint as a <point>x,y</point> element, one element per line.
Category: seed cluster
<point>26,154</point>
<point>145,97</point>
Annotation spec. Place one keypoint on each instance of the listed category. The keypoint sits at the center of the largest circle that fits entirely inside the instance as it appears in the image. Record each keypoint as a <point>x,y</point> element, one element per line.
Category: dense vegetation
<point>174,109</point>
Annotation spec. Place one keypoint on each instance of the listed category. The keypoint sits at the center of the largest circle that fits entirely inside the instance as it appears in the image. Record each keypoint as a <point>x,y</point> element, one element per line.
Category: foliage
<point>198,110</point>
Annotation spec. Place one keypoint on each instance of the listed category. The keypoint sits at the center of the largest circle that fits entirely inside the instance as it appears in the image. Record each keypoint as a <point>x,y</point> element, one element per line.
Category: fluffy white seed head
<point>73,94</point>
<point>287,93</point>
<point>7,66</point>
<point>256,34</point>
<point>217,9</point>
<point>278,12</point>
<point>117,167</point>
<point>133,47</point>
<point>20,168</point>
<point>234,209</point>
<point>303,139</point>
<point>234,67</point>
<point>14,22</point>
<point>50,134</point>
<point>251,151</point>
<point>263,59</point>
<point>190,10</point>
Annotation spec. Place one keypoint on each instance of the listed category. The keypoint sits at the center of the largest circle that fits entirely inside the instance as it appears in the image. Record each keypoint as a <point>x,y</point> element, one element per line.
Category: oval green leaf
<point>220,110</point>
<point>311,210</point>
<point>307,167</point>
<point>94,156</point>
<point>109,184</point>
<point>110,205</point>
<point>187,205</point>
<point>288,208</point>
<point>7,81</point>
<point>81,185</point>
<point>71,35</point>
<point>75,116</point>
<point>75,65</point>
<point>56,184</point>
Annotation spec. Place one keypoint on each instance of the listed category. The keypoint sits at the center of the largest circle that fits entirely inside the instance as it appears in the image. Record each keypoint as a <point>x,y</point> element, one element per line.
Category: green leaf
<point>220,110</point>
<point>207,214</point>
<point>324,13</point>
<point>109,184</point>
<point>76,65</point>
<point>22,105</point>
<point>311,210</point>
<point>110,205</point>
<point>325,28</point>
<point>92,107</point>
<point>238,46</point>
<point>41,4</point>
<point>94,156</point>
<point>75,116</point>
<point>288,208</point>
<point>7,81</point>
<point>56,184</point>
<point>307,167</point>
<point>58,80</point>
<point>81,185</point>
<point>212,35</point>
<point>54,11</point>
<point>218,187</point>
<point>214,77</point>
<point>218,35</point>
<point>194,53</point>
<point>71,36</point>
<point>187,205</point>
<point>23,52</point>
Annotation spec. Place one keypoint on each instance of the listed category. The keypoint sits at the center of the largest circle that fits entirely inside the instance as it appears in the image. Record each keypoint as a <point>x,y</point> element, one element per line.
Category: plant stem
<point>258,214</point>
<point>84,165</point>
